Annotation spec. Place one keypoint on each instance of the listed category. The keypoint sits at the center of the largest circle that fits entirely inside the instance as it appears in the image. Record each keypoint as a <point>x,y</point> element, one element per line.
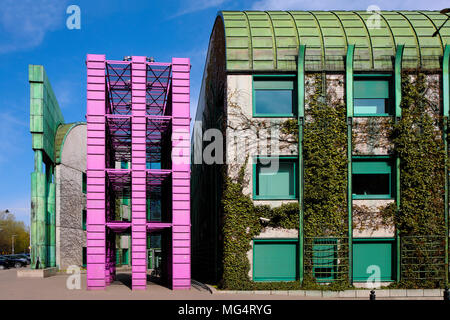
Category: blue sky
<point>35,32</point>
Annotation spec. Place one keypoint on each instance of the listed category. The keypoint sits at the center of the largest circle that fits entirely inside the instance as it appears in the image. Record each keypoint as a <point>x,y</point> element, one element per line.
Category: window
<point>372,178</point>
<point>372,96</point>
<point>274,178</point>
<point>84,182</point>
<point>273,96</point>
<point>84,257</point>
<point>373,257</point>
<point>125,259</point>
<point>84,219</point>
<point>275,260</point>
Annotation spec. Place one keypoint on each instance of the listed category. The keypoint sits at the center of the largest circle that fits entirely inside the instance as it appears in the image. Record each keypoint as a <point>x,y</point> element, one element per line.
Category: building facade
<point>334,150</point>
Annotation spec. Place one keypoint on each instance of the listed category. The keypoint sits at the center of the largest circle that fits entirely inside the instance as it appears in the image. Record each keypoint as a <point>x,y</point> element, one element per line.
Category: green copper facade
<point>45,117</point>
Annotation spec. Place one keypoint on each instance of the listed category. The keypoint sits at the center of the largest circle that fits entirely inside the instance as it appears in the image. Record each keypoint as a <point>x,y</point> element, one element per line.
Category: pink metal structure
<point>138,113</point>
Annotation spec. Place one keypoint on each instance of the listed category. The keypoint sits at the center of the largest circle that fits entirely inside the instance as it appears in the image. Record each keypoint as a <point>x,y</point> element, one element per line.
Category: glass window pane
<point>370,184</point>
<point>370,106</point>
<point>276,183</point>
<point>273,102</point>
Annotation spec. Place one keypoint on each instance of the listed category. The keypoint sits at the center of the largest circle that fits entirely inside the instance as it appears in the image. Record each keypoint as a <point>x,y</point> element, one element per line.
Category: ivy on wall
<point>417,137</point>
<point>325,165</point>
<point>241,225</point>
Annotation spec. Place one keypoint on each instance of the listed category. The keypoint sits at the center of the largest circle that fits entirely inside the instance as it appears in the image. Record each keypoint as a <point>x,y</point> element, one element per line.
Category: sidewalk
<point>54,288</point>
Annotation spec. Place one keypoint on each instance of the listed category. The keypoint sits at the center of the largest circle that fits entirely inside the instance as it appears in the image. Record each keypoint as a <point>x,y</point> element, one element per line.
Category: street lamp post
<point>12,242</point>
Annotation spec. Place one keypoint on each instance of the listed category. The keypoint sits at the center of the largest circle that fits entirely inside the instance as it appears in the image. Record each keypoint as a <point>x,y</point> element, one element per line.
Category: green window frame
<point>373,173</point>
<point>277,87</point>
<point>324,258</point>
<point>271,185</point>
<point>84,182</point>
<point>84,219</point>
<point>275,260</point>
<point>374,251</point>
<point>373,95</point>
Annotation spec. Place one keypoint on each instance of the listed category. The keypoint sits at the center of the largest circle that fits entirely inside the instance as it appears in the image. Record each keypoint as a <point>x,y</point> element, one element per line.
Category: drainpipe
<point>301,115</point>
<point>398,114</point>
<point>349,102</point>
<point>446,107</point>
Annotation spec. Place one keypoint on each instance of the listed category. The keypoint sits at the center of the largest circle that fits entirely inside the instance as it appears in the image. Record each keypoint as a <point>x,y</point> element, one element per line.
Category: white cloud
<point>24,23</point>
<point>348,5</point>
<point>197,5</point>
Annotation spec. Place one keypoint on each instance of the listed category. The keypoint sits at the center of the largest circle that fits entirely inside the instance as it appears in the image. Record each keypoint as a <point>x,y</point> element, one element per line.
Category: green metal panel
<point>446,80</point>
<point>398,113</point>
<point>301,114</point>
<point>275,260</point>
<point>45,114</point>
<point>373,252</point>
<point>269,40</point>
<point>273,84</point>
<point>446,106</point>
<point>349,101</point>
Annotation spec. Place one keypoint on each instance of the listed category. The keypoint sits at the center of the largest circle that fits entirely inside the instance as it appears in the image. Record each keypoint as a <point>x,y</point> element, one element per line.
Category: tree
<point>9,227</point>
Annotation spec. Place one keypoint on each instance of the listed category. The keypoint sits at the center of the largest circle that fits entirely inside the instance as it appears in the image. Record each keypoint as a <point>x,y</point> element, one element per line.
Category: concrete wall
<point>70,200</point>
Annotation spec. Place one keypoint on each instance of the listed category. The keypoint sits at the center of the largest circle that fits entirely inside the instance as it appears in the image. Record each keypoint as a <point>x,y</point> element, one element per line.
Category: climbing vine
<point>420,220</point>
<point>241,224</point>
<point>416,138</point>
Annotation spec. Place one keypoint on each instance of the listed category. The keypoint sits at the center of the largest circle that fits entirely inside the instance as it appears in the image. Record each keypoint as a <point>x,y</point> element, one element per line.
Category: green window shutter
<point>371,89</point>
<point>274,84</point>
<point>378,253</point>
<point>371,97</point>
<point>274,260</point>
<point>371,166</point>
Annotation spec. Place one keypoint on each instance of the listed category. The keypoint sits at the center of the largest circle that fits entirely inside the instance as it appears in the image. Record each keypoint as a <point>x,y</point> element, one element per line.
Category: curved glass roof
<point>268,40</point>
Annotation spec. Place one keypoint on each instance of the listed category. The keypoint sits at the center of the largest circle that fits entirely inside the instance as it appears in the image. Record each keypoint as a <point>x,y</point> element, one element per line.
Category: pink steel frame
<point>130,105</point>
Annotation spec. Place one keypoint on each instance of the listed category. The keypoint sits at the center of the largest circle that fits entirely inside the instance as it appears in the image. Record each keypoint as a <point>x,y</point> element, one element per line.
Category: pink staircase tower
<point>138,115</point>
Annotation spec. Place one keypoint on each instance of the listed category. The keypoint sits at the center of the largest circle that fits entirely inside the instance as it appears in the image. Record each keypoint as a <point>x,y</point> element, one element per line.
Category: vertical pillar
<point>398,115</point>
<point>181,225</point>
<point>51,217</point>
<point>301,115</point>
<point>38,213</point>
<point>95,197</point>
<point>349,102</point>
<point>446,107</point>
<point>138,174</point>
